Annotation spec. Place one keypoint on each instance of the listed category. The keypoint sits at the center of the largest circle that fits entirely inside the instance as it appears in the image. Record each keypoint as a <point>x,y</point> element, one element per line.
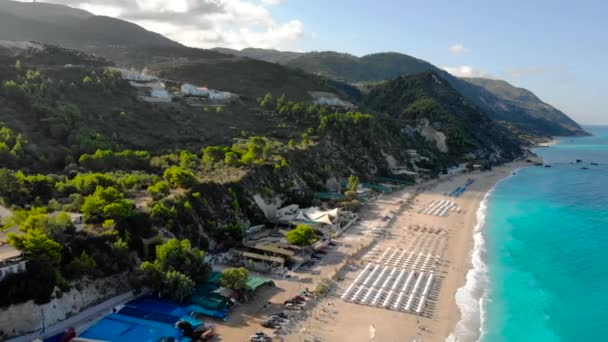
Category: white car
<point>291,306</point>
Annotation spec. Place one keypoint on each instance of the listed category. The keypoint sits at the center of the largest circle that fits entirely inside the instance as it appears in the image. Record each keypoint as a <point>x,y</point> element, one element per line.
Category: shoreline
<point>469,280</point>
<point>333,318</point>
<point>547,143</point>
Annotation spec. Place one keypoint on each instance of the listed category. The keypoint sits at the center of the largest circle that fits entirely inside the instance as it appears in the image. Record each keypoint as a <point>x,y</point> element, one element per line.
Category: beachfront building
<point>330,222</point>
<point>12,260</point>
<point>292,214</point>
<point>267,253</point>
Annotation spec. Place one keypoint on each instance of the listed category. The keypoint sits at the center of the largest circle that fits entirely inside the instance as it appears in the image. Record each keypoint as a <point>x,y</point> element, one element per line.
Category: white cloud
<point>108,11</point>
<point>467,71</point>
<point>202,23</point>
<point>458,49</point>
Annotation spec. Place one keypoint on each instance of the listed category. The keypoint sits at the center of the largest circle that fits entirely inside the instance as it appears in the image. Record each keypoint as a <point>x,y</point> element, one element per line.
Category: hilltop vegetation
<point>516,108</point>
<point>521,108</point>
<point>252,78</point>
<point>426,100</point>
<point>64,112</point>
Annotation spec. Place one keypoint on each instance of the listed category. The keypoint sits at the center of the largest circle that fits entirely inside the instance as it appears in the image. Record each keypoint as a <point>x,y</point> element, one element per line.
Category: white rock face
<point>433,135</point>
<point>27,317</point>
<point>390,160</point>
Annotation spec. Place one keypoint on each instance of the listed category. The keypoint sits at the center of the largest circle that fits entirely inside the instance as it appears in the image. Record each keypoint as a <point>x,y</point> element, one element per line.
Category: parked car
<point>306,294</point>
<point>280,314</point>
<point>270,325</point>
<point>292,306</point>
<point>296,300</point>
<point>331,243</point>
<point>321,252</point>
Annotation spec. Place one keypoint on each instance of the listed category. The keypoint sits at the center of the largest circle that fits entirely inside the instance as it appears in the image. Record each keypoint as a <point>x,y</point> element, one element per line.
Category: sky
<point>555,48</point>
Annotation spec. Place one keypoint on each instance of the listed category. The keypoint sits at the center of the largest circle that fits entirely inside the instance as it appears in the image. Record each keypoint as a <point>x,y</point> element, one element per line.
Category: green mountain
<point>252,78</point>
<point>269,55</point>
<point>79,138</point>
<point>45,12</point>
<point>519,107</point>
<point>427,104</point>
<point>340,66</point>
<point>523,114</point>
<point>120,41</point>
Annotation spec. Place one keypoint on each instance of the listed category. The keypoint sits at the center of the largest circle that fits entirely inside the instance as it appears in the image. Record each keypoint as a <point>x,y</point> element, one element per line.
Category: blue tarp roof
<point>120,328</point>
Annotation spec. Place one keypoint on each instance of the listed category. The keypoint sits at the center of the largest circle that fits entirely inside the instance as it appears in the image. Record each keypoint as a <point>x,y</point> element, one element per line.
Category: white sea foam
<point>472,296</point>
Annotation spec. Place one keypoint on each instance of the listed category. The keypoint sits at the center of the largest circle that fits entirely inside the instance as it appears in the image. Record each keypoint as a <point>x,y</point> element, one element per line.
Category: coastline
<point>335,319</point>
<point>471,282</point>
<point>547,143</point>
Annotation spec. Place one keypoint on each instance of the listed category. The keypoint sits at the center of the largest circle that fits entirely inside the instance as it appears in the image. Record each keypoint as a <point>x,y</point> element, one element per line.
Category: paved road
<point>81,319</point>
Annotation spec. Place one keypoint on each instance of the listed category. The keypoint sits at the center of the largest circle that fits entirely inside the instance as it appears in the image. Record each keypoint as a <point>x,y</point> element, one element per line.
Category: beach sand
<point>333,319</point>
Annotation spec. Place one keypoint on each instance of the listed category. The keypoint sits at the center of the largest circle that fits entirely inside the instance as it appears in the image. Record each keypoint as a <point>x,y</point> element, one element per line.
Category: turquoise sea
<point>541,251</point>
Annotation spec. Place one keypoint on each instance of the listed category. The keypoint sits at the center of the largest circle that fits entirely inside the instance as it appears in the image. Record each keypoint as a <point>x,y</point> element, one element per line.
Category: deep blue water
<point>546,248</point>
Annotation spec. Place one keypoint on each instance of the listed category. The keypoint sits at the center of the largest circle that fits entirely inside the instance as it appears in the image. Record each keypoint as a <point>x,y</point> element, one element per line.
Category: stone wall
<point>28,317</point>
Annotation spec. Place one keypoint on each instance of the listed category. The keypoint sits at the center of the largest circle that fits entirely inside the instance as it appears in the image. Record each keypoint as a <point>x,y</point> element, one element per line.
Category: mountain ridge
<point>130,45</point>
<point>528,114</point>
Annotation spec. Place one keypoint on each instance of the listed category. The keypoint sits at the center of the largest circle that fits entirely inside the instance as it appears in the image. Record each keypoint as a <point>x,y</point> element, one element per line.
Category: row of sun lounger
<point>438,208</point>
<point>461,189</point>
<point>425,229</point>
<point>391,288</point>
<point>410,261</point>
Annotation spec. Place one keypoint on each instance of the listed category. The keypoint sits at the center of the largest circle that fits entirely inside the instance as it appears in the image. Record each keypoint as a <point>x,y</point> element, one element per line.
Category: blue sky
<point>557,49</point>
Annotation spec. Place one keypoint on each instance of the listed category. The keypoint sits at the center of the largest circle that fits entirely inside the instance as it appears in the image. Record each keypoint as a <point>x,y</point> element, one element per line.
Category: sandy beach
<point>449,238</point>
<point>447,241</point>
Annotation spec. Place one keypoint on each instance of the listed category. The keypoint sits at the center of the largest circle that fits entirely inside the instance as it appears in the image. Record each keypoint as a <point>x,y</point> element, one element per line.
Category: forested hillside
<point>76,138</point>
<point>525,115</point>
<point>428,101</point>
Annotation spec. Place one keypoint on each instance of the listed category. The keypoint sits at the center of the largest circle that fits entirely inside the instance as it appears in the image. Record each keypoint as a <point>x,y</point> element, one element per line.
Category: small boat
<point>579,161</point>
<point>584,168</point>
<point>596,164</point>
<point>547,165</point>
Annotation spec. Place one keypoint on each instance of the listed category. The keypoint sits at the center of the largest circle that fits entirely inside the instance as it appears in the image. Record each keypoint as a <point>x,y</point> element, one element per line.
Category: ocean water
<point>540,263</point>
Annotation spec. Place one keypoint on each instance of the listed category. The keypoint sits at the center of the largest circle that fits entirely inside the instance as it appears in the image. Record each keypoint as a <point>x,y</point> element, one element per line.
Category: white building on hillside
<point>333,102</point>
<point>219,95</point>
<point>159,91</point>
<point>190,89</point>
<point>11,259</point>
<point>133,75</point>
